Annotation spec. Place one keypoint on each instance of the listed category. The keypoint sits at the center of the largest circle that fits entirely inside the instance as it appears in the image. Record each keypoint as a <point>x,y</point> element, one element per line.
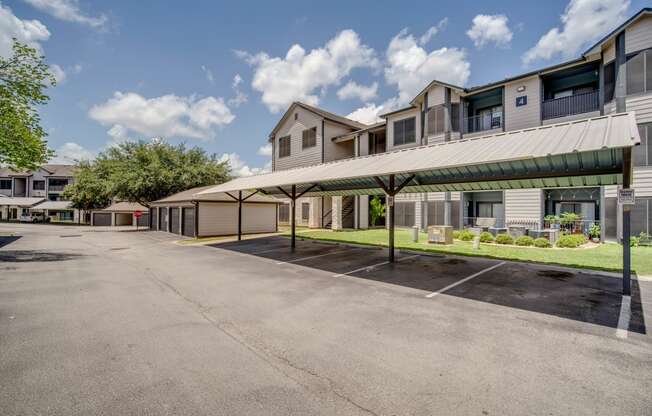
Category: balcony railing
<point>568,106</point>
<point>56,188</point>
<point>472,222</point>
<point>475,124</point>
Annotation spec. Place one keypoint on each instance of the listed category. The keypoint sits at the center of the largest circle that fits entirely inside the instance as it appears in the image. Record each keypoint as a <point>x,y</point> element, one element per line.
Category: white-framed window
<point>405,131</point>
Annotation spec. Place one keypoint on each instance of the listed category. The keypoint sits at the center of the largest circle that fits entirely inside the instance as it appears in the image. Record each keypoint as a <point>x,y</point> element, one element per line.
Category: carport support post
<point>627,253</point>
<point>239,215</point>
<point>391,219</point>
<point>293,215</point>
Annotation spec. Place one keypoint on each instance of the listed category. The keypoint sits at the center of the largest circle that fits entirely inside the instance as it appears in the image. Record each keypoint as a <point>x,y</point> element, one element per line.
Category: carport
<point>588,152</point>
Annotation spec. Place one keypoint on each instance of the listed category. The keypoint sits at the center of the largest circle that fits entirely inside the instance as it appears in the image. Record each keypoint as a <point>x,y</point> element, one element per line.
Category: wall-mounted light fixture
<point>521,88</point>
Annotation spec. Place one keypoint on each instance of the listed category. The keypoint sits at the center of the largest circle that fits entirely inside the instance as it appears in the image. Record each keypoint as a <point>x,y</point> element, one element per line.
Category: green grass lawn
<point>602,257</point>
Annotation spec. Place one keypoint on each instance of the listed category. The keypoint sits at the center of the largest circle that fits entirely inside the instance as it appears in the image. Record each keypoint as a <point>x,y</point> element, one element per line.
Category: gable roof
<point>59,169</point>
<point>616,31</point>
<point>320,112</point>
<point>193,194</point>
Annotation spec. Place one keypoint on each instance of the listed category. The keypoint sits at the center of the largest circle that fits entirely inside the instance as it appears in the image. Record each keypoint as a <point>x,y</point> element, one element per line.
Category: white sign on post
<point>390,201</point>
<point>626,197</point>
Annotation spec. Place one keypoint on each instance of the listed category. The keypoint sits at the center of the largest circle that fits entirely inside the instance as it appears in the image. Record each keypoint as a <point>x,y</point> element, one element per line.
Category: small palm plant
<point>377,210</point>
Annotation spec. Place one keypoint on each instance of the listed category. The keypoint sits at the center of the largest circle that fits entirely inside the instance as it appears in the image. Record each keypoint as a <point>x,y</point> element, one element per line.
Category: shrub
<point>504,239</point>
<point>524,240</point>
<point>594,230</point>
<point>571,240</point>
<point>456,234</point>
<point>466,235</point>
<point>542,243</point>
<point>486,237</point>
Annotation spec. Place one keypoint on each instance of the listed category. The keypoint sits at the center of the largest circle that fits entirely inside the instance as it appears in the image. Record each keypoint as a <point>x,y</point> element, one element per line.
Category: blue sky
<point>219,74</point>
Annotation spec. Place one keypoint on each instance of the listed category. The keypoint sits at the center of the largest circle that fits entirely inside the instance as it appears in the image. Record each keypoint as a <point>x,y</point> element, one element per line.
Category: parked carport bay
<point>577,295</point>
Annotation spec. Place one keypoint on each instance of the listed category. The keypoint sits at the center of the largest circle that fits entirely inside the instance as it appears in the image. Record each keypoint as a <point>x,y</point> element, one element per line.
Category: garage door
<point>143,221</point>
<point>174,221</point>
<point>154,218</point>
<point>163,221</point>
<point>189,222</point>
<point>102,218</point>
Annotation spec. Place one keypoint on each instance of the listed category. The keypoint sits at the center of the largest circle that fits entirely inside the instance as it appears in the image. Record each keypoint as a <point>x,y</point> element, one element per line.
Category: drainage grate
<point>70,235</point>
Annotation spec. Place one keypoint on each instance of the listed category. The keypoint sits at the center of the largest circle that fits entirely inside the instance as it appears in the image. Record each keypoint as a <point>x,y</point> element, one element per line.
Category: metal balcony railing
<point>471,222</point>
<point>568,106</point>
<point>482,123</point>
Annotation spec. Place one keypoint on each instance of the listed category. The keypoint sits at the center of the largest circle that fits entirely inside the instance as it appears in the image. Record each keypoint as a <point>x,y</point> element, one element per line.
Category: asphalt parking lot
<point>131,323</point>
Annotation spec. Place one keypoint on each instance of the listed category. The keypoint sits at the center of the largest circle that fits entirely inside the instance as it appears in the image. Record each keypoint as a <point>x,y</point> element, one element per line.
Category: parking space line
<point>263,251</point>
<point>310,257</point>
<point>373,266</point>
<point>466,279</point>
<point>624,317</point>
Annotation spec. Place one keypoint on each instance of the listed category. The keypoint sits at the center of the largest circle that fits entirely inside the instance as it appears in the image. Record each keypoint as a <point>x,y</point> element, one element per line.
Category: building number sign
<point>521,100</point>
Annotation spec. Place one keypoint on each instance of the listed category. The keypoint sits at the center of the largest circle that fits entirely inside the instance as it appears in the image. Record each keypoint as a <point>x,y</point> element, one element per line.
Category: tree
<point>90,190</point>
<point>143,172</point>
<point>23,78</point>
<point>377,210</point>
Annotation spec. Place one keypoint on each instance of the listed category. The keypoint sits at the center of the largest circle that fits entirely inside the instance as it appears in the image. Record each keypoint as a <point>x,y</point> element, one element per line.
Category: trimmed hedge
<point>542,243</point>
<point>504,239</point>
<point>571,240</point>
<point>466,235</point>
<point>524,240</point>
<point>486,237</point>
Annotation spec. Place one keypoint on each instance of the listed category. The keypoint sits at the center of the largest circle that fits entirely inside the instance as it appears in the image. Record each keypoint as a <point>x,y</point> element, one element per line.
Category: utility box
<point>516,231</point>
<point>440,234</point>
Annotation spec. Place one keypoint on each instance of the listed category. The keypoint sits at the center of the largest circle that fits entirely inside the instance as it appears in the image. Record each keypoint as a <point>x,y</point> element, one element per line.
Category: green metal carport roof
<point>585,152</point>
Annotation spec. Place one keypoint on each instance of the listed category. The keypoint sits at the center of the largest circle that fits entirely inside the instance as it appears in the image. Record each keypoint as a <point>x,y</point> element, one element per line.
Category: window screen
<point>609,81</point>
<point>284,146</point>
<point>405,131</point>
<point>436,120</point>
<point>636,73</point>
<point>404,214</point>
<point>305,211</point>
<point>5,184</point>
<point>284,213</point>
<point>309,138</point>
<point>643,153</point>
<point>38,185</point>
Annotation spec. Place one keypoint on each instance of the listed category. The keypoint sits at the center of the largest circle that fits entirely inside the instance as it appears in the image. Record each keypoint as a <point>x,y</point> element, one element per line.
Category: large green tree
<point>23,79</point>
<point>146,171</point>
<point>90,190</point>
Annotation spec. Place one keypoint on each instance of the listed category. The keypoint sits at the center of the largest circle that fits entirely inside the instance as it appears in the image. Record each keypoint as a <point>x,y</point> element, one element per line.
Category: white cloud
<point>490,29</point>
<point>354,90</point>
<point>58,73</point>
<point>410,67</point>
<point>209,74</point>
<point>240,97</point>
<point>368,114</point>
<point>165,116</point>
<point>584,21</point>
<point>265,150</point>
<point>118,134</point>
<point>240,168</point>
<point>72,152</point>
<point>432,31</point>
<point>68,10</point>
<point>299,75</point>
<point>30,32</point>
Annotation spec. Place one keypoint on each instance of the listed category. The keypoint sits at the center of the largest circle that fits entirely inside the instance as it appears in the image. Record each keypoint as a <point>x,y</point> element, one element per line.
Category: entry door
<point>188,222</point>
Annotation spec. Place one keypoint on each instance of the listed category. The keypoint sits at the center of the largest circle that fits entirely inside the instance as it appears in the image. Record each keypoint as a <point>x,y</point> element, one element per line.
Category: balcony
<point>571,105</point>
<point>482,123</point>
<point>56,188</point>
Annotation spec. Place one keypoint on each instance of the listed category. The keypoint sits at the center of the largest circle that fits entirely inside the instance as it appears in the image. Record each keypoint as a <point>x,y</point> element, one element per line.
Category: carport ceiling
<point>586,152</point>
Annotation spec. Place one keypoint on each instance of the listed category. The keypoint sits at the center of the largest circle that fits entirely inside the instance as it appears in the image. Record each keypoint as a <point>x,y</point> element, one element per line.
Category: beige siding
<point>642,104</point>
<point>294,128</point>
<point>336,151</point>
<point>639,35</point>
<point>609,52</point>
<point>642,184</point>
<point>439,196</point>
<point>436,95</point>
<point>218,218</point>
<point>400,116</point>
<point>364,144</point>
<point>39,175</point>
<point>439,138</point>
<point>529,115</point>
<point>523,204</point>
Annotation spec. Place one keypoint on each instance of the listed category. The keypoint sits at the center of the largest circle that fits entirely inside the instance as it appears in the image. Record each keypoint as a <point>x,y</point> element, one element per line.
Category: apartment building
<point>614,75</point>
<point>25,191</point>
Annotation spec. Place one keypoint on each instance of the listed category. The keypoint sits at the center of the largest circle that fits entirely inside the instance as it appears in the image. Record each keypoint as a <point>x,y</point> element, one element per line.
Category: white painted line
<point>310,257</point>
<point>263,251</point>
<point>373,266</point>
<point>466,279</point>
<point>625,316</point>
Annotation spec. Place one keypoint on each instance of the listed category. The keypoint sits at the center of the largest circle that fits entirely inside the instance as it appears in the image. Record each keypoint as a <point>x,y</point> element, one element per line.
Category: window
<point>643,153</point>
<point>609,81</point>
<point>639,72</point>
<point>5,184</point>
<point>284,146</point>
<point>309,138</point>
<point>38,185</point>
<point>296,116</point>
<point>455,117</point>
<point>284,213</point>
<point>436,116</point>
<point>405,131</point>
<point>305,211</point>
<point>404,214</point>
